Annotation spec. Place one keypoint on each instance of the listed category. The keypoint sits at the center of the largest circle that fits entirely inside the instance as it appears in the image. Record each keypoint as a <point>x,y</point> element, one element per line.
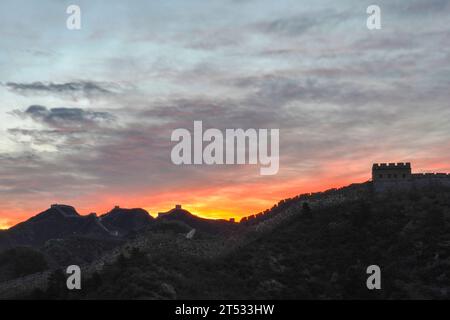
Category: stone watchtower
<point>391,175</point>
<point>392,171</point>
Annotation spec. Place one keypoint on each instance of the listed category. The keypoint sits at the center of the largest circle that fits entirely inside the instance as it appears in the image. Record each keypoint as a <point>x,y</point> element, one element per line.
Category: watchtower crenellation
<point>392,165</point>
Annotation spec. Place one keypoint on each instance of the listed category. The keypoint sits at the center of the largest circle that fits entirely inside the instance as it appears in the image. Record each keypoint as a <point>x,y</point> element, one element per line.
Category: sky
<point>86,115</point>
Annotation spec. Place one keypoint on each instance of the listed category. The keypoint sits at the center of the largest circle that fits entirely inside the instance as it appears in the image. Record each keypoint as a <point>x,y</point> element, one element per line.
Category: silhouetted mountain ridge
<point>121,221</point>
<point>206,225</point>
<point>63,221</point>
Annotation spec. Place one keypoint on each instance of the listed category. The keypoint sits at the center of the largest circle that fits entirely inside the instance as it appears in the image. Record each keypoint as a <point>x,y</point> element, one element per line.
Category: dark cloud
<point>86,88</point>
<point>66,117</point>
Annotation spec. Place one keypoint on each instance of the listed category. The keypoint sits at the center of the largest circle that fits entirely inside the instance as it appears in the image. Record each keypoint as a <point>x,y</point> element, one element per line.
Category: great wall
<point>384,177</point>
<point>148,243</point>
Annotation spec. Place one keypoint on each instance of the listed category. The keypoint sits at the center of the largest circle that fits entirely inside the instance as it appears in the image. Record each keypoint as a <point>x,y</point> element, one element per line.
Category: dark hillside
<point>319,253</point>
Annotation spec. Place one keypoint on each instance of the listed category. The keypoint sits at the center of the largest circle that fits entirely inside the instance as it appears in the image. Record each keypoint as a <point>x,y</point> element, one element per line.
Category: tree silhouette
<point>306,210</point>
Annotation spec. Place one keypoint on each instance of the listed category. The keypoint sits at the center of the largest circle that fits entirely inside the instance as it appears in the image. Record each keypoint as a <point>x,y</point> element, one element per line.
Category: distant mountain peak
<point>125,211</point>
<point>177,211</point>
<point>196,222</point>
<point>121,220</point>
<point>65,210</point>
<point>61,210</point>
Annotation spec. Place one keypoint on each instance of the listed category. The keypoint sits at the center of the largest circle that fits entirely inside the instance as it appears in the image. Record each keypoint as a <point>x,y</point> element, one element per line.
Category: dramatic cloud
<point>66,117</point>
<point>86,88</point>
<point>342,96</point>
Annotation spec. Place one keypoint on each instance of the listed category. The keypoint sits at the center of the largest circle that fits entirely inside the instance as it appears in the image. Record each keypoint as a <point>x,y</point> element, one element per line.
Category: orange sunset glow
<point>221,203</point>
<point>233,201</point>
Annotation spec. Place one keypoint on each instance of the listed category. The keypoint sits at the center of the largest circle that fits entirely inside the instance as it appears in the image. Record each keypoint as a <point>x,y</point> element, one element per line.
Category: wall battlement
<point>391,176</point>
<point>431,175</point>
<point>392,165</point>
